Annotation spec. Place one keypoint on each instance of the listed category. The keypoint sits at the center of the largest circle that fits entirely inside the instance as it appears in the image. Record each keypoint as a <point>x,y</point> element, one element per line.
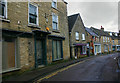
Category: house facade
<point>93,41</point>
<point>34,34</point>
<point>104,38</point>
<point>77,35</point>
<point>115,41</point>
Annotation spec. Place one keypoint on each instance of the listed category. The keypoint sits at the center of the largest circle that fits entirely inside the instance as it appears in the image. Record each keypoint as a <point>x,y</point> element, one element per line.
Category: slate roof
<point>90,32</point>
<point>72,20</point>
<point>100,32</point>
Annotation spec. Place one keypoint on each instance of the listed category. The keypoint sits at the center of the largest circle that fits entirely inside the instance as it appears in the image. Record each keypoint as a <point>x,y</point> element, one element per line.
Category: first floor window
<point>33,14</point>
<point>77,35</point>
<point>83,36</point>
<point>54,22</point>
<point>3,9</point>
<point>57,50</point>
<point>54,3</point>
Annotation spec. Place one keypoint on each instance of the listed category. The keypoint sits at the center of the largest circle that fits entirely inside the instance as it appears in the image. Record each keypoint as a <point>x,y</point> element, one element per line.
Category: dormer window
<point>110,34</point>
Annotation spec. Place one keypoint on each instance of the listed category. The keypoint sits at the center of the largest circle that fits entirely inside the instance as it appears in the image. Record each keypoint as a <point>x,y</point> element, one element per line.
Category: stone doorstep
<point>32,75</point>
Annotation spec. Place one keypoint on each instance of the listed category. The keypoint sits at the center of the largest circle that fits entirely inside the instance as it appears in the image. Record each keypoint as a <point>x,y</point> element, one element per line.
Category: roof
<point>114,36</point>
<point>90,31</point>
<point>100,32</point>
<point>71,21</point>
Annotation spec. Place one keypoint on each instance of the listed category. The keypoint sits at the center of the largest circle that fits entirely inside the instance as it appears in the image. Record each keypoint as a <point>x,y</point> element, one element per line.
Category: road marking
<point>58,71</point>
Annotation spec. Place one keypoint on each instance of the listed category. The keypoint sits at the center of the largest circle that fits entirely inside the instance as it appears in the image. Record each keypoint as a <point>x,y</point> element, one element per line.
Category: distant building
<point>93,41</point>
<point>77,35</point>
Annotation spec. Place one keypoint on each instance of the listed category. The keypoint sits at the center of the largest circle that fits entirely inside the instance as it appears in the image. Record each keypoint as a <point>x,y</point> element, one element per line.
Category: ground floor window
<point>9,57</point>
<point>106,48</point>
<point>109,47</point>
<point>113,48</point>
<point>118,48</point>
<point>84,50</point>
<point>57,50</point>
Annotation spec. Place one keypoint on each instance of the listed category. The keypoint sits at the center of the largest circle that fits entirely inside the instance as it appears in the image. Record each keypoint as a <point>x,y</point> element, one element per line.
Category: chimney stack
<point>102,28</point>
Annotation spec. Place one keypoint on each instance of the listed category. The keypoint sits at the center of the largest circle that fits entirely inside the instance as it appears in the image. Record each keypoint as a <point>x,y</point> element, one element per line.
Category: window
<point>57,50</point>
<point>113,42</point>
<point>109,47</point>
<point>105,47</point>
<point>3,9</point>
<point>33,14</point>
<point>77,35</point>
<point>84,49</point>
<point>54,22</point>
<point>54,4</point>
<point>108,39</point>
<point>110,34</point>
<point>83,36</point>
<point>103,39</point>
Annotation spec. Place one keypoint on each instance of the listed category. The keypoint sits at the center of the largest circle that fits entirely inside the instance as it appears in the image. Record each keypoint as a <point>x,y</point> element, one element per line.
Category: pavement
<point>31,76</point>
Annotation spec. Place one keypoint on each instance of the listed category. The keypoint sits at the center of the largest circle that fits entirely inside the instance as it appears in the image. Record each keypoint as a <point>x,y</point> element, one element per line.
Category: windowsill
<point>77,39</point>
<point>57,59</point>
<point>10,70</point>
<point>5,20</point>
<point>33,26</point>
<point>56,31</point>
<point>54,8</point>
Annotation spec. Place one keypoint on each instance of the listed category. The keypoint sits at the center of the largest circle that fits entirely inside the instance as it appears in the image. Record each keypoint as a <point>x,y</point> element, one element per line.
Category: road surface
<point>99,68</point>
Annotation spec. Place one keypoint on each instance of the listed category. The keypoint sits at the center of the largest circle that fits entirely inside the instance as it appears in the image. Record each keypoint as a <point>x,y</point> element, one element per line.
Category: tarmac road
<point>100,68</point>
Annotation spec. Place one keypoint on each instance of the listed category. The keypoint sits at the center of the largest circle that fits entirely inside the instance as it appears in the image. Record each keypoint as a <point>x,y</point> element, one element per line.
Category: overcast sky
<point>96,14</point>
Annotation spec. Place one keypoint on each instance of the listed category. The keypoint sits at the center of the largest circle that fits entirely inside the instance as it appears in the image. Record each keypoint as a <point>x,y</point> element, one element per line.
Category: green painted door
<point>39,50</point>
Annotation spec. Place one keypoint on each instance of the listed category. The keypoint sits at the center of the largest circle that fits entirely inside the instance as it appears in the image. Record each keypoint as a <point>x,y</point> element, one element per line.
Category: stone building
<point>105,39</point>
<point>93,41</point>
<point>77,35</point>
<point>34,34</point>
<point>115,41</point>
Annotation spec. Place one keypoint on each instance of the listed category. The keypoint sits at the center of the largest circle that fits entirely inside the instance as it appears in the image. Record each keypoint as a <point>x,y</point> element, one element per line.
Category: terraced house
<point>34,34</point>
<point>77,35</point>
<point>115,41</point>
<point>93,41</point>
<point>105,39</point>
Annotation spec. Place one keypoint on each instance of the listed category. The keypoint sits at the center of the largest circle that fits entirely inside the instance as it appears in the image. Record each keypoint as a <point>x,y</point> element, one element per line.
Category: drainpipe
<point>35,52</point>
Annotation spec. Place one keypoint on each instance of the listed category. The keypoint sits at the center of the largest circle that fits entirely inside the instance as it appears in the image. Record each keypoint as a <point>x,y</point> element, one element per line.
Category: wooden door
<point>39,50</point>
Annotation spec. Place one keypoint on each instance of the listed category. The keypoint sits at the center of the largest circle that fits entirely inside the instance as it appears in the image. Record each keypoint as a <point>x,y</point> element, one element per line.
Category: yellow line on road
<point>55,73</point>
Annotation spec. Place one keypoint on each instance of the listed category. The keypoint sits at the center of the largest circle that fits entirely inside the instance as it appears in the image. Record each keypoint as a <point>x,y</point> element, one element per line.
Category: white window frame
<point>54,1</point>
<point>37,21</point>
<point>77,35</point>
<point>5,16</point>
<point>57,28</point>
<point>83,36</point>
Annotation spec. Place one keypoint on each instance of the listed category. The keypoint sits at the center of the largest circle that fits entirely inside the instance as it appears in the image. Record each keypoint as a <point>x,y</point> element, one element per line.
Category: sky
<point>96,14</point>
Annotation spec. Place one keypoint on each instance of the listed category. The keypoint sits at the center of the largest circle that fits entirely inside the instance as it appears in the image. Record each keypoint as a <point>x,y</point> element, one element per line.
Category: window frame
<point>5,10</point>
<point>83,36</point>
<point>83,49</point>
<point>37,18</point>
<point>57,22</point>
<point>77,35</point>
<point>61,49</point>
<point>54,1</point>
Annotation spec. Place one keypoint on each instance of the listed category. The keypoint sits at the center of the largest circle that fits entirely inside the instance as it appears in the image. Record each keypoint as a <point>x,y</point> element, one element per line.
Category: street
<point>100,68</point>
